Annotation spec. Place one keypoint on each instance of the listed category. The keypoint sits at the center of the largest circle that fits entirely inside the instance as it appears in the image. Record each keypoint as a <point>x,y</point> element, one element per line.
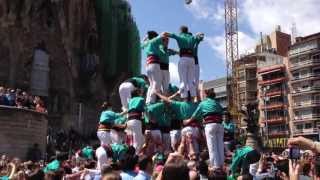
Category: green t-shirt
<point>238,156</point>
<point>140,83</point>
<point>156,112</point>
<point>136,104</point>
<point>173,89</point>
<point>152,47</point>
<point>230,127</point>
<point>87,152</point>
<point>52,166</point>
<point>185,41</point>
<point>183,110</point>
<point>206,107</point>
<point>121,120</point>
<point>165,54</point>
<point>118,151</point>
<point>196,45</point>
<point>109,117</point>
<point>4,178</point>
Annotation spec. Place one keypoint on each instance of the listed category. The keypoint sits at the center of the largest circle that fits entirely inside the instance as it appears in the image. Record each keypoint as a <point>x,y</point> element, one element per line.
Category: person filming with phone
<point>298,161</point>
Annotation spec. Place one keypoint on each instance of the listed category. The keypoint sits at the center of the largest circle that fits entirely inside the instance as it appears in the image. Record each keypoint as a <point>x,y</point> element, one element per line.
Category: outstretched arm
<point>164,98</point>
<point>174,95</point>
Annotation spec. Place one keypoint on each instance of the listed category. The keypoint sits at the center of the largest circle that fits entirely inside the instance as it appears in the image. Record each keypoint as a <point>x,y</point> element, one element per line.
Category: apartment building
<point>304,67</point>
<point>272,95</point>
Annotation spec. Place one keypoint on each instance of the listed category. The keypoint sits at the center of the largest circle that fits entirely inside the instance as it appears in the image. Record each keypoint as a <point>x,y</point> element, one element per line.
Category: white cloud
<point>174,74</point>
<point>206,9</point>
<point>259,16</point>
<point>217,43</point>
<point>263,16</point>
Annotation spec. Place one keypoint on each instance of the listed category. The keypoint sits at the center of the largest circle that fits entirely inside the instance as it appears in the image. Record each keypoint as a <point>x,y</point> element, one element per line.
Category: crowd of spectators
<point>126,164</point>
<point>21,99</point>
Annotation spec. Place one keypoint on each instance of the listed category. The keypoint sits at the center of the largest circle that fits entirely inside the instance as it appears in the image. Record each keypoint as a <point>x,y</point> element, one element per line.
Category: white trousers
<point>196,75</point>
<point>195,132</point>
<point>117,136</point>
<point>104,137</point>
<point>214,135</point>
<point>156,136</point>
<point>175,136</point>
<point>125,90</point>
<point>154,76</point>
<point>186,74</point>
<point>165,80</point>
<point>166,141</point>
<point>134,133</point>
<point>102,157</point>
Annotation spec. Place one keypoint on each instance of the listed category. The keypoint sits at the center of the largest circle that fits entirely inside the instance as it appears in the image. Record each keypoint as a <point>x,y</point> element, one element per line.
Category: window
<point>316,71</point>
<point>295,75</point>
<point>304,72</point>
<point>308,126</point>
<point>317,56</point>
<point>299,126</point>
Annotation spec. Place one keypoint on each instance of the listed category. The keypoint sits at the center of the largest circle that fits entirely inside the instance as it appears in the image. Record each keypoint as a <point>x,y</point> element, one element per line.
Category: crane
<point>232,52</point>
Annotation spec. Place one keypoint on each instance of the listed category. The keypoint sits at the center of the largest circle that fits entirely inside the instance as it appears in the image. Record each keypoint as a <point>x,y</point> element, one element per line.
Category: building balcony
<point>307,63</point>
<point>310,117</point>
<point>272,93</point>
<point>309,76</point>
<point>275,120</point>
<point>300,132</point>
<point>275,68</point>
<point>272,81</point>
<point>308,90</point>
<point>272,106</point>
<point>306,104</point>
<point>277,134</point>
<point>248,66</point>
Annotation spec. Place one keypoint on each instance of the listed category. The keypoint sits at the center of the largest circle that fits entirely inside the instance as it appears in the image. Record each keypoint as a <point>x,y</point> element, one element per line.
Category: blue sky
<point>207,16</point>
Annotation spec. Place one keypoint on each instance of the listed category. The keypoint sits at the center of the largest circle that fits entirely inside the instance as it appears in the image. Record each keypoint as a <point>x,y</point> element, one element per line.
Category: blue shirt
<point>128,175</point>
<point>142,176</point>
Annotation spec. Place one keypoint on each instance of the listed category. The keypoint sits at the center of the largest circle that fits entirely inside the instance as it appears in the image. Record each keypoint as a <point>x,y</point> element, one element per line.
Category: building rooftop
<point>215,83</point>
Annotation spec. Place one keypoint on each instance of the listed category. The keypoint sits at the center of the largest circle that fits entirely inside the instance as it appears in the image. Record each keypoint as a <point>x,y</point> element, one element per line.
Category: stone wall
<point>20,129</point>
<point>77,48</point>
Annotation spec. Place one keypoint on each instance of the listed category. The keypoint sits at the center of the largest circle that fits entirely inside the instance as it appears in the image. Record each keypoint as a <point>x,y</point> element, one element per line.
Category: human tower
<point>156,114</point>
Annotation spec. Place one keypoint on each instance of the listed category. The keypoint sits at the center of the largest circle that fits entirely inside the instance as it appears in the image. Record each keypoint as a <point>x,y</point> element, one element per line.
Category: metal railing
<point>311,102</point>
<point>302,63</point>
<point>299,90</point>
<point>306,117</point>
<point>305,76</point>
<point>302,131</point>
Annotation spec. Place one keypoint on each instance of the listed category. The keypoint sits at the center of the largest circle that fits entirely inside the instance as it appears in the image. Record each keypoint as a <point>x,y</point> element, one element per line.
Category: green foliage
<point>118,37</point>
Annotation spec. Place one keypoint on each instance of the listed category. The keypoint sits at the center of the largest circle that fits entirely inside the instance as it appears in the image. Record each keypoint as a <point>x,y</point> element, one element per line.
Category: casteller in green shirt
<point>156,112</point>
<point>206,107</point>
<point>52,166</point>
<point>118,151</point>
<point>109,117</point>
<point>183,109</point>
<point>152,47</point>
<point>136,104</point>
<point>87,152</point>
<point>185,40</point>
<point>165,54</point>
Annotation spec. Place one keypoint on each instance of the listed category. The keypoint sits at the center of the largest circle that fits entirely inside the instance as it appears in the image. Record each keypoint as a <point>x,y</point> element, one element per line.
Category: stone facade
<point>20,129</point>
<point>69,32</point>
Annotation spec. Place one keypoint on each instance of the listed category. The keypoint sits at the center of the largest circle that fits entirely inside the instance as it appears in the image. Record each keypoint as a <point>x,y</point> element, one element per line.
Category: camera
<point>294,153</point>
